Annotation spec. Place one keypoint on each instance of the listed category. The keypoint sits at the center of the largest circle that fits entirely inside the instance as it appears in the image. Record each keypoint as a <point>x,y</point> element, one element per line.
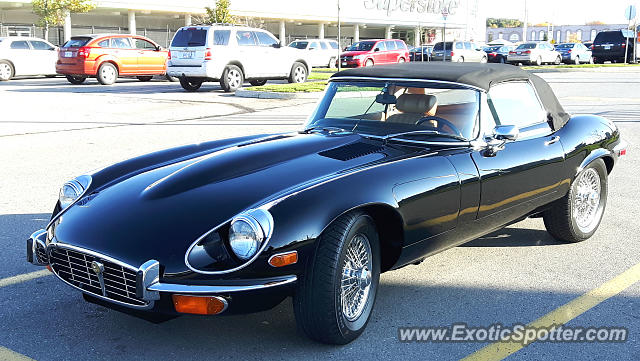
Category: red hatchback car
<point>107,57</point>
<point>374,52</point>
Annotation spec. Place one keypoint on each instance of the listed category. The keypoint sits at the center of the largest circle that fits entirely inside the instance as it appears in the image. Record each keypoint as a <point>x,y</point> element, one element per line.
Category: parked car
<point>110,56</point>
<point>458,52</point>
<point>398,163</point>
<point>322,52</point>
<point>535,53</point>
<point>612,46</point>
<point>20,56</point>
<point>374,52</point>
<point>232,54</point>
<point>499,53</point>
<point>420,53</point>
<point>589,45</point>
<point>574,53</point>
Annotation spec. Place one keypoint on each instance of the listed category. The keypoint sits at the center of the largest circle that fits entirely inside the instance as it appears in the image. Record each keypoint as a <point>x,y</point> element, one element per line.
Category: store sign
<point>414,6</point>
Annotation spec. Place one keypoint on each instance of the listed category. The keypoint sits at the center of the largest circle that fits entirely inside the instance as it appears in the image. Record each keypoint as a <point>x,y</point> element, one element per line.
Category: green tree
<point>53,12</point>
<point>220,13</point>
<point>503,23</point>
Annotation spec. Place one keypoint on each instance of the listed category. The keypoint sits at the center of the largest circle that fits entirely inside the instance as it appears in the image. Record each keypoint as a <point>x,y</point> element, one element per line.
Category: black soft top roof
<point>477,75</point>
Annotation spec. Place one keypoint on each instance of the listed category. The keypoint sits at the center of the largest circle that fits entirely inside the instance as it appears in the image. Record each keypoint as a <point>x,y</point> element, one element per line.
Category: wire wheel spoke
<point>587,198</point>
<point>356,277</point>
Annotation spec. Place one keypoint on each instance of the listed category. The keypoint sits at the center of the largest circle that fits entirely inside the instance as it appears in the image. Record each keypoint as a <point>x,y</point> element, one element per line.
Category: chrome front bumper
<point>148,285</point>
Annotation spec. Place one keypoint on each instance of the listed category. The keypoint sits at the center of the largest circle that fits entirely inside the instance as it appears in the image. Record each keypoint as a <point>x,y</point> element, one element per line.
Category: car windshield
<point>440,46</point>
<point>361,46</point>
<point>564,46</point>
<point>526,46</point>
<point>299,44</point>
<point>382,108</point>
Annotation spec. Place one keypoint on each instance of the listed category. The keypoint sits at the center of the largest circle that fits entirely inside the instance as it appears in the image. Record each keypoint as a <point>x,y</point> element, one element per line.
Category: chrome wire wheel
<point>234,78</point>
<point>586,203</point>
<point>356,277</point>
<point>299,74</point>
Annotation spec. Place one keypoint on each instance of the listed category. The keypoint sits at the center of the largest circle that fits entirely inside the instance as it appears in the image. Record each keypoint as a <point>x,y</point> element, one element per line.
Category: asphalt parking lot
<point>51,131</point>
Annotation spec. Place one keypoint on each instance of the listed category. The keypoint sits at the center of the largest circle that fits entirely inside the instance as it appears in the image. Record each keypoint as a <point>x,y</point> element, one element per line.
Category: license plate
<point>68,54</point>
<point>607,47</point>
<point>519,53</point>
<point>187,54</point>
<point>344,63</point>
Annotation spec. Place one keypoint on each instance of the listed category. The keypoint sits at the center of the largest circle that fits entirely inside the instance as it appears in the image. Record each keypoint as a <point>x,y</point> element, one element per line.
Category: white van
<point>321,52</point>
<point>232,54</point>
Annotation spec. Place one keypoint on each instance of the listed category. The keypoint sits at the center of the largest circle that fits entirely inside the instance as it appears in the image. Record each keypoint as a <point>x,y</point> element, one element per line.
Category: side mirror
<point>505,132</point>
<point>376,49</point>
<point>312,48</point>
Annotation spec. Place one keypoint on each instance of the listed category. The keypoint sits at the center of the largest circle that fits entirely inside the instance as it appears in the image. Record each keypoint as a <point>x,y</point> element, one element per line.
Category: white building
<point>415,21</point>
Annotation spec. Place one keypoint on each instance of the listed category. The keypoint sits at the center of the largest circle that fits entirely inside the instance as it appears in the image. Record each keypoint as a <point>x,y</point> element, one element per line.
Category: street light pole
<point>339,36</point>
<point>445,13</point>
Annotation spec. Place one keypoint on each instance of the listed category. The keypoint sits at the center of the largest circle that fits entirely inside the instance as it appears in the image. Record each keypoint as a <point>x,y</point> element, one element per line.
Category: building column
<point>187,19</point>
<point>67,26</point>
<point>321,31</point>
<point>418,37</point>
<point>132,22</point>
<point>356,33</point>
<point>387,33</point>
<point>283,39</point>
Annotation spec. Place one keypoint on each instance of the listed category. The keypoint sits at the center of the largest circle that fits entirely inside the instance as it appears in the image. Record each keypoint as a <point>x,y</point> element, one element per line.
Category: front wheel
<point>190,84</point>
<point>558,61</point>
<point>401,60</point>
<point>577,60</point>
<point>461,59</point>
<point>335,297</point>
<point>75,79</point>
<point>576,216</point>
<point>298,73</point>
<point>368,63</point>
<point>6,70</point>
<point>483,60</point>
<point>107,74</point>
<point>538,61</point>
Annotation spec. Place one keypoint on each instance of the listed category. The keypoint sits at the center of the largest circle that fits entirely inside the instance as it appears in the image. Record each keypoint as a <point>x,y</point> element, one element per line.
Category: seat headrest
<point>415,103</point>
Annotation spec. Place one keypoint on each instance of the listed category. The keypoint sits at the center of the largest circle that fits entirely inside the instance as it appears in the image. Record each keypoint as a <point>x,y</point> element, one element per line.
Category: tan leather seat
<point>413,107</point>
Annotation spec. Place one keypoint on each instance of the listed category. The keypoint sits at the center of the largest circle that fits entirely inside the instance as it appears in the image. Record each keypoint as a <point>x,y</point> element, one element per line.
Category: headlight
<point>248,231</point>
<point>72,190</point>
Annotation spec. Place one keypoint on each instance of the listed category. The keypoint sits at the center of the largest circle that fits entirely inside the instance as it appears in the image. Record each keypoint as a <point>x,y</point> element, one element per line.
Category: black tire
<point>368,63</point>
<point>190,84</point>
<point>558,60</point>
<point>560,219</point>
<point>7,70</point>
<point>577,61</point>
<point>298,73</point>
<point>538,61</point>
<point>145,78</point>
<point>232,78</point>
<point>258,82</point>
<point>76,79</point>
<point>461,59</point>
<point>317,302</point>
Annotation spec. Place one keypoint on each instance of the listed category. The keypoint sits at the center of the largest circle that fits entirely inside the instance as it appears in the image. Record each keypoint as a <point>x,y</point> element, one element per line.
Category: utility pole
<point>445,13</point>
<point>524,26</point>
<point>339,36</point>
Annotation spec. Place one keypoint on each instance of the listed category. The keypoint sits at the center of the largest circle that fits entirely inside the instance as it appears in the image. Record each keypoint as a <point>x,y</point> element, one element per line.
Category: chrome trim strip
<point>107,258</point>
<point>356,78</point>
<point>88,179</point>
<point>38,238</point>
<point>148,274</point>
<point>203,290</point>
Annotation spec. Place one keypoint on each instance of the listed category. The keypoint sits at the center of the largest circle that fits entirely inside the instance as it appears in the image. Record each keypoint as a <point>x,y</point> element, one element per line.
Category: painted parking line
<point>563,314</point>
<point>24,277</point>
<point>9,355</point>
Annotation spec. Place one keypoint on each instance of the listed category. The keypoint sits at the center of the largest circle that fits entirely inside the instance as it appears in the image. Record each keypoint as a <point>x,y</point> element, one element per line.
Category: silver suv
<point>458,51</point>
<point>232,54</point>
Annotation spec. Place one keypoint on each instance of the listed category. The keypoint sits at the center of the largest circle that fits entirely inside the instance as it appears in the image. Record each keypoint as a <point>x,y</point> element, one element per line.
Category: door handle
<point>552,140</point>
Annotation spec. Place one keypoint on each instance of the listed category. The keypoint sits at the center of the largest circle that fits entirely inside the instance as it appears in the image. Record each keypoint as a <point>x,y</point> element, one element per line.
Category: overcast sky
<point>560,12</point>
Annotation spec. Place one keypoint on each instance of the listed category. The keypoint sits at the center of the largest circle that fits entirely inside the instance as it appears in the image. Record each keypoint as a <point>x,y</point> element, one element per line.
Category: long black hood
<point>158,213</point>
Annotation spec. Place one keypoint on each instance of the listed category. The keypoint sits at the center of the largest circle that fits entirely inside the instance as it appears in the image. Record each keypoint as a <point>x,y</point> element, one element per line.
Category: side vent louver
<point>351,151</point>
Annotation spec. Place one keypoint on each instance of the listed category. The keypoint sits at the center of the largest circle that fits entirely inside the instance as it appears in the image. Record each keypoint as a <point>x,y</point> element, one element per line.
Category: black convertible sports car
<point>397,163</point>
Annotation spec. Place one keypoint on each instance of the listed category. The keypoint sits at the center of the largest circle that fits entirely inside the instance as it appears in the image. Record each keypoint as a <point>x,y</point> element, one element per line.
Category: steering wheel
<point>441,122</point>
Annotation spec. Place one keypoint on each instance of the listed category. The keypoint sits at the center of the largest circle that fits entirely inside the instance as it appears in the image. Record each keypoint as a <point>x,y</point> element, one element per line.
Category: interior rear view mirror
<point>386,98</point>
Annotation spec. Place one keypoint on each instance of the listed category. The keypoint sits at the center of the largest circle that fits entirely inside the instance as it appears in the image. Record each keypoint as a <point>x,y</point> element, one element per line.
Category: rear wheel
<point>577,60</point>
<point>461,59</point>
<point>258,82</point>
<point>145,78</point>
<point>501,60</point>
<point>576,216</point>
<point>591,60</point>
<point>401,60</point>
<point>538,61</point>
<point>298,73</point>
<point>369,62</point>
<point>107,74</point>
<point>190,84</point>
<point>76,79</point>
<point>232,78</point>
<point>483,60</point>
<point>6,70</point>
<point>336,294</point>
<point>332,63</point>
<point>558,60</point>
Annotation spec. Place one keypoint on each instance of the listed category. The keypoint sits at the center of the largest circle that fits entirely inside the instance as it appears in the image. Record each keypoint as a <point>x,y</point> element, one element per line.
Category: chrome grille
<point>75,268</point>
<point>41,254</point>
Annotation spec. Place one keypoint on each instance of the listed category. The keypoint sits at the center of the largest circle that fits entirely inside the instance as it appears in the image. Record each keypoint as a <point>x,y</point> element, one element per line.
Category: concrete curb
<point>243,93</point>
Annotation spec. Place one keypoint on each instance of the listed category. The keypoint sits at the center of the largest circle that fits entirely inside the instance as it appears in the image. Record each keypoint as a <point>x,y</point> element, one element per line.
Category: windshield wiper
<point>423,132</point>
<point>323,129</point>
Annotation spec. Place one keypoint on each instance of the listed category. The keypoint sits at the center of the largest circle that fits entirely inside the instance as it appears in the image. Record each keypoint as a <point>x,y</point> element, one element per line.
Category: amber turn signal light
<point>283,259</point>
<point>198,305</point>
